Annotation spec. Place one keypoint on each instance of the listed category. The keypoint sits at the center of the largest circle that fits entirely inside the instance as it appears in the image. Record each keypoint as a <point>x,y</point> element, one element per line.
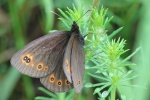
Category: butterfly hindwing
<point>39,58</point>
<point>57,80</point>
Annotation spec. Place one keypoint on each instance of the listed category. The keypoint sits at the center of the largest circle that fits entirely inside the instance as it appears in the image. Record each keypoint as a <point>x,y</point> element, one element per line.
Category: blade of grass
<point>9,83</point>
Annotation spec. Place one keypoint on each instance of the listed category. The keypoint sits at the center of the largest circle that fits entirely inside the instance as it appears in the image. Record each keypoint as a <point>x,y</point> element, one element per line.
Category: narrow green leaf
<point>131,55</point>
<point>47,92</point>
<point>114,33</point>
<point>88,85</point>
<point>99,77</point>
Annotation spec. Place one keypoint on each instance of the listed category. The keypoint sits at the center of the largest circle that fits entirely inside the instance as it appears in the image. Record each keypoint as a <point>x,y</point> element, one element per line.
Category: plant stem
<point>113,93</point>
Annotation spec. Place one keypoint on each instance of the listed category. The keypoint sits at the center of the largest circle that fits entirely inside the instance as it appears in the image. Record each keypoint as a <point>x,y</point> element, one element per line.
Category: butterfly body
<point>57,59</point>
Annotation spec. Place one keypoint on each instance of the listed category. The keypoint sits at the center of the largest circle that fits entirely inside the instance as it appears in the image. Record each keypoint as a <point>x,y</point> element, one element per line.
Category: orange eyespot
<point>59,82</point>
<point>68,66</point>
<point>67,82</point>
<point>78,82</point>
<point>46,68</point>
<point>27,59</point>
<point>67,62</point>
<point>51,78</point>
<point>39,66</point>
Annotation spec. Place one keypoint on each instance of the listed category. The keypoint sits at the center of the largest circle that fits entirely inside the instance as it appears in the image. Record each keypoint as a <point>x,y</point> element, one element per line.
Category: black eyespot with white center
<point>39,66</point>
<point>59,83</point>
<point>27,59</point>
<point>52,78</point>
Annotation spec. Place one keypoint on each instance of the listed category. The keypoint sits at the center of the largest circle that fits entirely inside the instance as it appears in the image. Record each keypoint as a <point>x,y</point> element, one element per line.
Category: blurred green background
<point>22,21</point>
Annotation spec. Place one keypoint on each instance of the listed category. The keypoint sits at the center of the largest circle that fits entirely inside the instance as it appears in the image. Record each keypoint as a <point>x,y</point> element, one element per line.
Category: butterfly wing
<point>39,58</point>
<point>67,59</point>
<point>57,81</point>
<point>77,63</point>
<point>73,63</point>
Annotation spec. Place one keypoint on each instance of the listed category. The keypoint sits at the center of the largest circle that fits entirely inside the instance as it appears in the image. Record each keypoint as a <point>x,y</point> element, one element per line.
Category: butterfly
<point>57,59</point>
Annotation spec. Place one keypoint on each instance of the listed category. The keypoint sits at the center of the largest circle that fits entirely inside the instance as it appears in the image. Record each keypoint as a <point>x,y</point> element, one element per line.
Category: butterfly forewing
<point>77,63</point>
<point>67,59</point>
<point>57,81</point>
<point>39,58</point>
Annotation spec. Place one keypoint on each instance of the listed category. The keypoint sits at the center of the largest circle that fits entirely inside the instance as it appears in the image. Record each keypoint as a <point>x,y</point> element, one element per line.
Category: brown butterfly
<point>57,59</point>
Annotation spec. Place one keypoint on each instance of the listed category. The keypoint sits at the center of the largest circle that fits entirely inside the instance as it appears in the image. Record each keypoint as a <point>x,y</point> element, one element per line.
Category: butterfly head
<point>75,27</point>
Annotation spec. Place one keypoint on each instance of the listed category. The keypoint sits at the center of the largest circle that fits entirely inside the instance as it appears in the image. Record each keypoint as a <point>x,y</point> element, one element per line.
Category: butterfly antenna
<point>55,14</point>
<point>83,15</point>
